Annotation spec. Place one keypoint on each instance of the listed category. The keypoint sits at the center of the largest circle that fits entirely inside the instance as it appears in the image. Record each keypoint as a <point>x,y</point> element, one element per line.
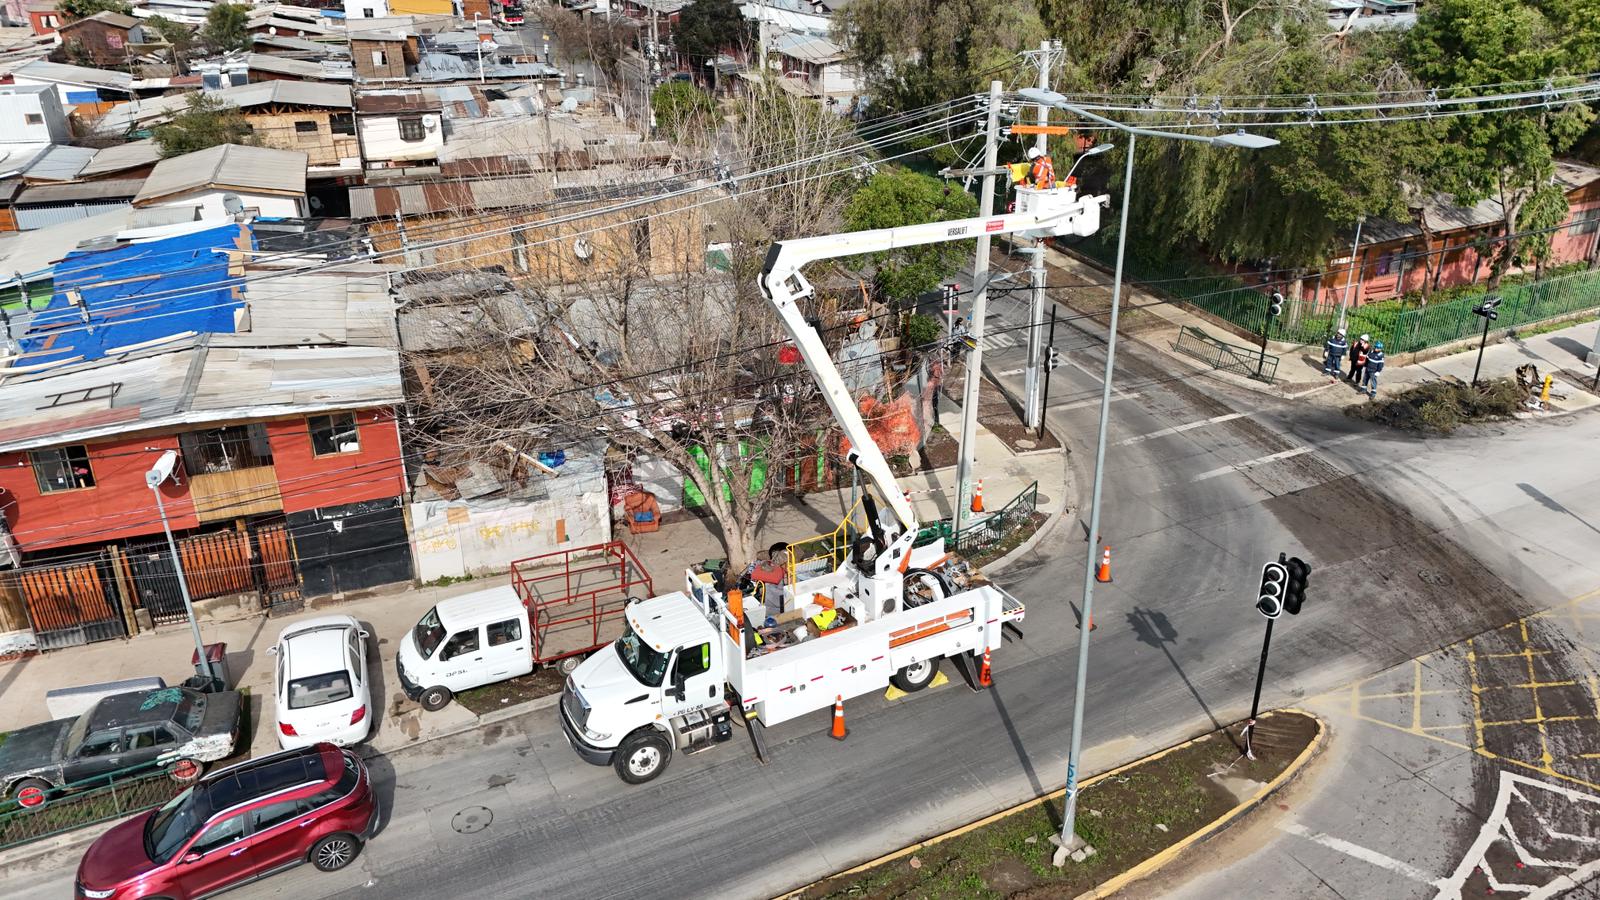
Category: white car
<point>320,686</point>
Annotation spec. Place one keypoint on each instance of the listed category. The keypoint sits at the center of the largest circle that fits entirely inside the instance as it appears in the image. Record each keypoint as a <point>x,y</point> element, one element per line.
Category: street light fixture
<point>1096,150</point>
<point>1068,838</point>
<point>153,479</point>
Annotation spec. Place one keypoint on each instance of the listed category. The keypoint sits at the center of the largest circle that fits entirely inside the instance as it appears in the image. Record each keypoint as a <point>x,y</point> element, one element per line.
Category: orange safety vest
<point>1044,173</point>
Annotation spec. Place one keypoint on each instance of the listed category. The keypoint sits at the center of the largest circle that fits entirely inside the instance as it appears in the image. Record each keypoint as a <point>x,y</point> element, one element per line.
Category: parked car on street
<point>176,727</point>
<point>321,691</point>
<point>239,824</point>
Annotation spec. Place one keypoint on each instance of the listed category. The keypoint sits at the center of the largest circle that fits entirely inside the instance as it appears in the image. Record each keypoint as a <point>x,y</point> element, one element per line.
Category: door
<point>691,671</point>
<point>218,859</point>
<point>277,835</point>
<point>99,754</point>
<point>506,653</point>
<point>461,660</point>
<point>141,744</point>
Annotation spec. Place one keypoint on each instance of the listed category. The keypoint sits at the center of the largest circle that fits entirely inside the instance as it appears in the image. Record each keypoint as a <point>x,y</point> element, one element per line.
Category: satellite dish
<point>569,104</point>
<point>232,205</point>
<point>580,249</point>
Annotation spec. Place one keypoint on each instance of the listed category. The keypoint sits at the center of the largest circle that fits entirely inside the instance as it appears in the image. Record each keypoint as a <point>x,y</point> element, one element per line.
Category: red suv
<point>237,825</point>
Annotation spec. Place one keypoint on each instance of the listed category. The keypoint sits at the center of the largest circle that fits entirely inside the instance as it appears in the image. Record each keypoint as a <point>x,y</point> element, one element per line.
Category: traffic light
<point>1275,304</point>
<point>952,295</point>
<point>1274,575</point>
<point>1054,358</point>
<point>1487,308</point>
<point>1294,592</point>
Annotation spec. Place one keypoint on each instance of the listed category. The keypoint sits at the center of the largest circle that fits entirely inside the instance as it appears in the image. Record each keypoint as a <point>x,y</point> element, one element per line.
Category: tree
<point>206,123</point>
<point>706,28</point>
<point>226,26</point>
<point>72,10</point>
<point>896,197</point>
<point>1507,155</point>
<point>680,107</point>
<point>179,37</point>
<point>601,40</point>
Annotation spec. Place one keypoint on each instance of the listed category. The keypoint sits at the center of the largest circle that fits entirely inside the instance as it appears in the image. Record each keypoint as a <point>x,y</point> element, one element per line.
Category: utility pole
<point>967,459</point>
<point>761,35</point>
<point>1354,272</point>
<point>1033,409</point>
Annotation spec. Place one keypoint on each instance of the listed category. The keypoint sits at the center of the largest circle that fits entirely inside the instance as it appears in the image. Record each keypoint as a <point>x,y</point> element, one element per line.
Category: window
<point>1586,221</point>
<point>379,58</point>
<point>641,240</point>
<point>101,743</point>
<point>33,118</point>
<point>462,642</point>
<point>221,834</point>
<point>691,662</point>
<point>346,784</point>
<point>62,469</point>
<point>519,250</point>
<point>507,632</point>
<point>144,737</point>
<point>276,814</point>
<point>411,128</point>
<point>316,690</point>
<point>342,123</point>
<point>334,434</point>
<point>305,129</point>
<point>369,12</point>
<point>226,449</point>
<point>1385,265</point>
<point>50,21</point>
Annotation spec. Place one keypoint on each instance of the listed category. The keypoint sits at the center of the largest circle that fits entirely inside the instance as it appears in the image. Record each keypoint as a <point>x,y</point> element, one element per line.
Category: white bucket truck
<point>690,661</point>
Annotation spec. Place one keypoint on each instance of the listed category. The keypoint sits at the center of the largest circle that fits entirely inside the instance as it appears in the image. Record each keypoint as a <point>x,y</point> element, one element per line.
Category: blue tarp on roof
<point>138,293</point>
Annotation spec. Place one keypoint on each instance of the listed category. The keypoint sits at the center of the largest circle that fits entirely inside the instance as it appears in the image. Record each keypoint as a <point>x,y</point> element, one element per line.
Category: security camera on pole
<point>1283,590</point>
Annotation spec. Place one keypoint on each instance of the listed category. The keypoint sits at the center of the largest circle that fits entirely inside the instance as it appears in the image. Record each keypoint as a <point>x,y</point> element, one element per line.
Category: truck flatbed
<point>576,598</point>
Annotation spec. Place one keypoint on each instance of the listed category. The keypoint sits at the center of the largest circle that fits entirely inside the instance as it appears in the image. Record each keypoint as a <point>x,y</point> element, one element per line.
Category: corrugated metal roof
<point>283,65</point>
<point>227,165</point>
<point>115,20</point>
<point>60,163</point>
<point>61,73</point>
<point>286,93</point>
<point>409,101</point>
<point>814,50</point>
<point>121,157</point>
<point>79,191</point>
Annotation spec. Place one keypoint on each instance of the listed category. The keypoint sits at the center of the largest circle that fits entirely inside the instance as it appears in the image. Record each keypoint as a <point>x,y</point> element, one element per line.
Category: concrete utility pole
<point>967,459</point>
<point>761,35</point>
<point>1353,273</point>
<point>1033,408</point>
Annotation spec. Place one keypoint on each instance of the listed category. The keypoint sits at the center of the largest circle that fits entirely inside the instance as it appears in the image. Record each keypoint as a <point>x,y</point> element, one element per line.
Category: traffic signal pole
<point>1255,702</point>
<point>1044,399</point>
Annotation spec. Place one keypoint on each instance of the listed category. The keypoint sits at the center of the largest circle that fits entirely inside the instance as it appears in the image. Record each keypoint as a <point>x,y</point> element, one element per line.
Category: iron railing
<point>1226,357</point>
<point>99,799</point>
<point>988,531</point>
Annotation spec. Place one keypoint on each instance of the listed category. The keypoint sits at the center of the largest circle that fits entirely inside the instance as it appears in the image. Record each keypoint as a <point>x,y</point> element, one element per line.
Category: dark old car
<point>175,728</point>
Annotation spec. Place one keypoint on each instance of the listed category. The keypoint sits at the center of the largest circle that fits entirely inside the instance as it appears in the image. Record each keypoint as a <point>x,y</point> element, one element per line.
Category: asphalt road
<point>1191,515</point>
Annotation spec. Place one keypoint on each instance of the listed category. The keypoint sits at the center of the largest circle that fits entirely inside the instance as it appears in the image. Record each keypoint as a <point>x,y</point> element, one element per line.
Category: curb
<point>489,718</point>
<point>59,843</point>
<point>1144,868</point>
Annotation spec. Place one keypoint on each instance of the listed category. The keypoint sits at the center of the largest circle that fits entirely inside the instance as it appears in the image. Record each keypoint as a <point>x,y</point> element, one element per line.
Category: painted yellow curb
<point>1149,866</point>
<point>1142,869</point>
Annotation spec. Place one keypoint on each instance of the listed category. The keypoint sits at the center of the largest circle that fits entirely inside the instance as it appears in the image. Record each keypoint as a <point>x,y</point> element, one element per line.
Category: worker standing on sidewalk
<point>1374,366</point>
<point>1335,348</point>
<point>1358,359</point>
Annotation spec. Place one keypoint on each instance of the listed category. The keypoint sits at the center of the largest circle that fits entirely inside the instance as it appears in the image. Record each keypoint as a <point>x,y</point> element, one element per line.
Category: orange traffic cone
<point>907,496</point>
<point>977,497</point>
<point>839,731</point>
<point>985,677</point>
<point>1103,574</point>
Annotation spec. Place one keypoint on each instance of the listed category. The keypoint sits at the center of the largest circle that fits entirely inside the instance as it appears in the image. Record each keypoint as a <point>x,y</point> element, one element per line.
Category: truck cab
<point>658,688</point>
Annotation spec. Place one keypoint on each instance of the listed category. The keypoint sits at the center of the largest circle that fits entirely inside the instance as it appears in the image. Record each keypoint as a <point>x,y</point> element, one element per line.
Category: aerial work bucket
<point>1069,215</point>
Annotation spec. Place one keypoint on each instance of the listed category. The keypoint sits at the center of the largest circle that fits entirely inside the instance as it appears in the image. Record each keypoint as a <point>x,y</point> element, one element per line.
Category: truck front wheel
<point>643,755</point>
<point>916,676</point>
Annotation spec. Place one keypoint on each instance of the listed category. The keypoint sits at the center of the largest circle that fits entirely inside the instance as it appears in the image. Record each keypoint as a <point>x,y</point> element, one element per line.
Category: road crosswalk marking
<point>1273,457</point>
<point>1176,429</point>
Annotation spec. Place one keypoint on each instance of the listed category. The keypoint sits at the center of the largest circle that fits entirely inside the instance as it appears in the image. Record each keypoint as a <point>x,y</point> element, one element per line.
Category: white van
<point>465,642</point>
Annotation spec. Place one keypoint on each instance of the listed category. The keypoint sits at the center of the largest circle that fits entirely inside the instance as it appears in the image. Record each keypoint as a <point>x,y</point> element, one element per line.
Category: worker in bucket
<point>1043,173</point>
<point>772,573</point>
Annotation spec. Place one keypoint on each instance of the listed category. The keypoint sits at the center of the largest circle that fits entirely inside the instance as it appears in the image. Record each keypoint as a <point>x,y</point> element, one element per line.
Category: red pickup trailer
<point>575,599</point>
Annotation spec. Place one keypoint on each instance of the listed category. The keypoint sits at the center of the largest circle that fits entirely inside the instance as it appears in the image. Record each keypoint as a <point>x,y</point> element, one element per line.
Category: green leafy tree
<point>206,123</point>
<point>680,107</point>
<point>1507,156</point>
<point>895,197</point>
<point>72,10</point>
<point>706,28</point>
<point>226,26</point>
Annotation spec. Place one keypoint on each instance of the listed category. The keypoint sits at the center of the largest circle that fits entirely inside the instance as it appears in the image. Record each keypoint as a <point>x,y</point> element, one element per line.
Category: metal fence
<point>1403,326</point>
<point>1226,357</point>
<point>988,531</point>
<point>100,799</point>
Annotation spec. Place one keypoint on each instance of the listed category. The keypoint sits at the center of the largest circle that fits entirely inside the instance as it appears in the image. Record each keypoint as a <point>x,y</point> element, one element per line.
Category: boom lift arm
<point>1041,213</point>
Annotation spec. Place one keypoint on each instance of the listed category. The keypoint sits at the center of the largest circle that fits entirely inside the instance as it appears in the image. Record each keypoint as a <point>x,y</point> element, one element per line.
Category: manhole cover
<point>1437,579</point>
<point>472,820</point>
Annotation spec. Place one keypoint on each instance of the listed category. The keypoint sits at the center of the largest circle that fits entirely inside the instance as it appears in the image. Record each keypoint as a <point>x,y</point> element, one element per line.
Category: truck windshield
<point>429,634</point>
<point>647,664</point>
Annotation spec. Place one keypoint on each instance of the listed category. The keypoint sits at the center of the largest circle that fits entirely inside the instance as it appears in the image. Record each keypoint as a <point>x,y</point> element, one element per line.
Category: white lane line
<point>1357,851</point>
<point>1092,401</point>
<point>1009,372</point>
<point>1274,457</point>
<point>1176,429</point>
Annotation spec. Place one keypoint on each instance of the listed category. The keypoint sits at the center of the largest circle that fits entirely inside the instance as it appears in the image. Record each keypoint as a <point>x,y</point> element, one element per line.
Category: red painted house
<point>279,398</point>
<point>43,17</point>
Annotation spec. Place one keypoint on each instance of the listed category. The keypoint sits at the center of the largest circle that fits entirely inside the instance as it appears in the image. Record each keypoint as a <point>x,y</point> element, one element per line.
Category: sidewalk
<point>1157,322</point>
<point>682,541</point>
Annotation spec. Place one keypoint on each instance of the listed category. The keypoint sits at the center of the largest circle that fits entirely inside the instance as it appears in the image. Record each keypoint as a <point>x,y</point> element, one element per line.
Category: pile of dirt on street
<point>1441,406</point>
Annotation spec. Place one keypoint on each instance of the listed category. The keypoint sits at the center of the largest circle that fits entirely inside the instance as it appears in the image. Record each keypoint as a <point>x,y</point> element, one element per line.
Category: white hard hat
<point>1366,337</point>
<point>1341,332</point>
<point>1035,153</point>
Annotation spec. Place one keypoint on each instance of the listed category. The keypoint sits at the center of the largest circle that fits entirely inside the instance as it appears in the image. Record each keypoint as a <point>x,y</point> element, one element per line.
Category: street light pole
<point>154,479</point>
<point>1350,274</point>
<point>966,458</point>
